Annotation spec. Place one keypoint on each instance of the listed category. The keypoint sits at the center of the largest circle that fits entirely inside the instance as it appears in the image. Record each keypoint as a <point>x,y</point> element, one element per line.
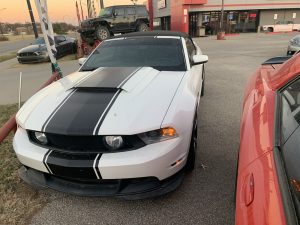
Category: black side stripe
<point>45,160</point>
<point>56,109</point>
<point>96,166</point>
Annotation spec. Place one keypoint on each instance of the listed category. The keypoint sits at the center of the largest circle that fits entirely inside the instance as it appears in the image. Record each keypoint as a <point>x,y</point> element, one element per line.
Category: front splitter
<point>131,189</point>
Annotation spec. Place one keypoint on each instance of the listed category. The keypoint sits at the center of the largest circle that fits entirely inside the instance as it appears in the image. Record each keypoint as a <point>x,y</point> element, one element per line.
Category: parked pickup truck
<point>281,26</point>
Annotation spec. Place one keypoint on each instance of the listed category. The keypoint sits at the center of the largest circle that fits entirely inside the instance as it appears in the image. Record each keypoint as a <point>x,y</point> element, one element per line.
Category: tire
<point>102,33</point>
<point>203,82</point>
<point>142,27</point>
<point>191,160</point>
<point>236,177</point>
<point>270,29</point>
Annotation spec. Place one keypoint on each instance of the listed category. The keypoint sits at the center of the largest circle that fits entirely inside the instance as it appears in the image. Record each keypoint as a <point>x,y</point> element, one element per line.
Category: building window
<point>234,21</point>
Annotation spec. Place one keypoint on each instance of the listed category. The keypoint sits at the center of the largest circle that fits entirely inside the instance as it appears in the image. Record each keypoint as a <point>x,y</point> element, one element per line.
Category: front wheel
<point>191,160</point>
<point>143,27</point>
<point>102,33</point>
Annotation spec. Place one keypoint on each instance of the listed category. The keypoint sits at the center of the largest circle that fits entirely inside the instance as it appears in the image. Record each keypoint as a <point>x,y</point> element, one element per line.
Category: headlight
<point>158,135</point>
<point>113,142</point>
<point>41,138</point>
<point>295,42</point>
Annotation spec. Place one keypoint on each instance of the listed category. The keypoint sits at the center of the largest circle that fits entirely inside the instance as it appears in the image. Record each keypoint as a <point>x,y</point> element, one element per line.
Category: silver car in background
<point>294,45</point>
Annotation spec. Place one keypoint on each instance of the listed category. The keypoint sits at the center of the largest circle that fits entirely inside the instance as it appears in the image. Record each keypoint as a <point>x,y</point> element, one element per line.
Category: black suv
<point>115,19</point>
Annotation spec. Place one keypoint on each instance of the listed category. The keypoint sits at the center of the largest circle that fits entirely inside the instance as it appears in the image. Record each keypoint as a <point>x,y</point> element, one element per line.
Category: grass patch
<point>7,56</point>
<point>4,38</point>
<point>18,201</point>
<point>13,38</point>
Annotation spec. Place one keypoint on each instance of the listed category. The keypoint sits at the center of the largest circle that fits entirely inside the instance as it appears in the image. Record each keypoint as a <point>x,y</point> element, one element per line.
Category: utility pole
<point>101,4</point>
<point>1,30</point>
<point>222,17</point>
<point>221,33</point>
<point>32,19</point>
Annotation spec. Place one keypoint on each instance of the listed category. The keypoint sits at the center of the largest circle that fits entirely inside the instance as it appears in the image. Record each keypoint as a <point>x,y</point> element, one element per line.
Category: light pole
<point>0,22</point>
<point>221,33</point>
<point>222,17</point>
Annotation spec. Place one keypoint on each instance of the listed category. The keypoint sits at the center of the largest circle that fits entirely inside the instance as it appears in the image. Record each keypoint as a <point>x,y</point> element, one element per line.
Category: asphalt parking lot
<point>207,194</point>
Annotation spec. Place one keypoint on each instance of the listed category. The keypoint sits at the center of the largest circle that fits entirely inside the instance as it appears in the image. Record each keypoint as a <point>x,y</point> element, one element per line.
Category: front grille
<point>26,54</point>
<point>86,144</point>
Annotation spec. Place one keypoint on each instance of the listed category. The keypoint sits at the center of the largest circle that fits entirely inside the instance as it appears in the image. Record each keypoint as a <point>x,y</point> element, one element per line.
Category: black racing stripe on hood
<point>110,77</point>
<point>81,112</point>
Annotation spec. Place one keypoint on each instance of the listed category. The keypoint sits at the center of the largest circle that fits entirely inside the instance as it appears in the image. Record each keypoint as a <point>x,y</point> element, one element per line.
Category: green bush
<point>4,38</point>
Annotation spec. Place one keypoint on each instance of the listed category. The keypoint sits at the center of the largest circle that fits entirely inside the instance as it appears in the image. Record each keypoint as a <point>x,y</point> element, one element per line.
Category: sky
<point>12,11</point>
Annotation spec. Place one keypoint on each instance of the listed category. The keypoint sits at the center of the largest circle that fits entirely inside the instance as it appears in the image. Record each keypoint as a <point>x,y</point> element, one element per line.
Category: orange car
<point>268,178</point>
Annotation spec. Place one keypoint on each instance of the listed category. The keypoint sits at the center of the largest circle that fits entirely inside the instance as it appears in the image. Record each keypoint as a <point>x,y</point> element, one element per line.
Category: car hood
<point>33,48</point>
<point>88,22</point>
<point>107,101</point>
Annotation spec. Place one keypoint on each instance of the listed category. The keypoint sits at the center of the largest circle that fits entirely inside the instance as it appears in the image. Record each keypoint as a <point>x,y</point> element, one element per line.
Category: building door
<point>166,23</point>
<point>193,24</point>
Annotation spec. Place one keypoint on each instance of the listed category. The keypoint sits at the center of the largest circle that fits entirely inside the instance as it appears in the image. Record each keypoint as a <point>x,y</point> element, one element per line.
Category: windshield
<point>39,41</point>
<point>164,54</point>
<point>296,39</point>
<point>106,11</point>
<point>290,136</point>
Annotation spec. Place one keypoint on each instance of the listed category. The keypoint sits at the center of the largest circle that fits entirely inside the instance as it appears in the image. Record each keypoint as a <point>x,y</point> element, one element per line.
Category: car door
<point>131,17</point>
<point>119,22</point>
<point>278,27</point>
<point>61,46</point>
<point>196,70</point>
<point>286,26</point>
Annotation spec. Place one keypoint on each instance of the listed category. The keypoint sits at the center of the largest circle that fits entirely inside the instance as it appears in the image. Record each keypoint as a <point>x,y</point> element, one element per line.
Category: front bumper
<point>33,59</point>
<point>159,161</point>
<point>131,189</point>
<point>292,49</point>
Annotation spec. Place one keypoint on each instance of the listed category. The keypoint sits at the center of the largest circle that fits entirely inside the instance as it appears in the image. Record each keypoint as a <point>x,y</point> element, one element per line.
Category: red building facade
<point>240,15</point>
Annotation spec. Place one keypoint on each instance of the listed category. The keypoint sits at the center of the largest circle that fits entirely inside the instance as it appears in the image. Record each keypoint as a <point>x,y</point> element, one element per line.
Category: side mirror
<point>81,61</point>
<point>200,59</point>
<point>115,14</point>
